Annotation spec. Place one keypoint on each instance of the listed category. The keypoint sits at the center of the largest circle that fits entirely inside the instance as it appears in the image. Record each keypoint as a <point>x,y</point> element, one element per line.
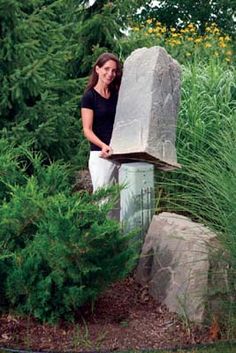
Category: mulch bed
<point>124,317</point>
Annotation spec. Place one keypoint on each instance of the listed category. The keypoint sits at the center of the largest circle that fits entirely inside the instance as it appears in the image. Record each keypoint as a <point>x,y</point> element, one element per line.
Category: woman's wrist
<point>104,146</point>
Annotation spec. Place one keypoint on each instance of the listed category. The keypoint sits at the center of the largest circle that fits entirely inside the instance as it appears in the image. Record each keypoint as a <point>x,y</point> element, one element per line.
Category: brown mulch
<point>124,317</point>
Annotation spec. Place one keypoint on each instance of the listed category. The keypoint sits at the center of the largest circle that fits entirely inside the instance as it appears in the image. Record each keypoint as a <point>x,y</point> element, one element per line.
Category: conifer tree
<point>38,100</point>
<point>101,24</point>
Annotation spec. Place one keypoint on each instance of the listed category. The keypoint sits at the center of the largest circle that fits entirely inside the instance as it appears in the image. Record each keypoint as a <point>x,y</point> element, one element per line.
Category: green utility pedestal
<point>137,196</point>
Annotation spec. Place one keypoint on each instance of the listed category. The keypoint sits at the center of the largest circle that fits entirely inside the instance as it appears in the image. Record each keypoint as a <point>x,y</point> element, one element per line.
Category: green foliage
<point>205,132</point>
<point>75,253</point>
<point>174,13</point>
<point>208,98</point>
<point>99,28</point>
<point>9,169</point>
<point>59,249</point>
<point>38,99</point>
<point>185,45</point>
<point>97,33</point>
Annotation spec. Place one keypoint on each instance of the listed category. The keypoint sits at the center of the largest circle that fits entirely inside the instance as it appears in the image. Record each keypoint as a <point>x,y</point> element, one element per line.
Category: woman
<point>98,108</point>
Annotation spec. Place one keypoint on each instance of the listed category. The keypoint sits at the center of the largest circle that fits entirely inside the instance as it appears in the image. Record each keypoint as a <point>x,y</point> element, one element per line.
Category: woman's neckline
<point>102,95</point>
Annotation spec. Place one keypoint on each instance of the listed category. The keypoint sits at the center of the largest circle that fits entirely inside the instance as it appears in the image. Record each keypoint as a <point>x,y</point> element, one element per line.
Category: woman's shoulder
<point>89,93</point>
<point>87,100</point>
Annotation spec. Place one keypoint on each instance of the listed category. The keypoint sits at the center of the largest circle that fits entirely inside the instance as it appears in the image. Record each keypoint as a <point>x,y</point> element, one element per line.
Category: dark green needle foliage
<point>99,28</point>
<point>59,249</point>
<point>38,100</point>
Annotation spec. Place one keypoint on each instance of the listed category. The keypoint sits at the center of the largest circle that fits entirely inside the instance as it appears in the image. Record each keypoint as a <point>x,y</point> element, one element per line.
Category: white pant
<point>103,171</point>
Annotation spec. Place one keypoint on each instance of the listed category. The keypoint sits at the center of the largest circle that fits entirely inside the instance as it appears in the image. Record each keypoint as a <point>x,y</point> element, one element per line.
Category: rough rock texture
<point>181,262</point>
<point>147,109</point>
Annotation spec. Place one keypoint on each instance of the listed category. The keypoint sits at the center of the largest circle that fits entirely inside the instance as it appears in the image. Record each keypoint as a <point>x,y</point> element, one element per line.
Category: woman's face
<point>107,72</point>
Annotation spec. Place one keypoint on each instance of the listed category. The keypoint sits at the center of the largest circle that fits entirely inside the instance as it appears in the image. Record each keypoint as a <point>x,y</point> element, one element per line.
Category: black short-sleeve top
<point>104,110</point>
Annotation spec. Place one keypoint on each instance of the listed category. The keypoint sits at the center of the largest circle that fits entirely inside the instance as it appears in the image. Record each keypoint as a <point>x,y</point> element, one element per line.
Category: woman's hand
<point>106,151</point>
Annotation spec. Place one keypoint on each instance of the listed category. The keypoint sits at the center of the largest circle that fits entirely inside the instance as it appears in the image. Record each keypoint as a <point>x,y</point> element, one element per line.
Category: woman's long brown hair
<point>101,60</point>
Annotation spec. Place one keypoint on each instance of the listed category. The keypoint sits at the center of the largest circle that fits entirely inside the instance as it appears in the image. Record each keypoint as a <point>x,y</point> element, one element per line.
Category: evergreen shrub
<point>38,97</point>
<point>59,249</point>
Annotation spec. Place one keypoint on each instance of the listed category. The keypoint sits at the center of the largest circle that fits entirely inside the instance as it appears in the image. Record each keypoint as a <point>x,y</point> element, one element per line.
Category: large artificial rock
<point>181,262</point>
<point>147,109</point>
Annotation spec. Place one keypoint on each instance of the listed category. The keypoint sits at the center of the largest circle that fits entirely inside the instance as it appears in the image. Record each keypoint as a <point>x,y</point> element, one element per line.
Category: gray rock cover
<point>147,109</point>
<point>184,266</point>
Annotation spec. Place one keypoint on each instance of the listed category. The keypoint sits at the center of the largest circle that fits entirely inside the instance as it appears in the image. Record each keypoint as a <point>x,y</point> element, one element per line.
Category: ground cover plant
<point>59,250</point>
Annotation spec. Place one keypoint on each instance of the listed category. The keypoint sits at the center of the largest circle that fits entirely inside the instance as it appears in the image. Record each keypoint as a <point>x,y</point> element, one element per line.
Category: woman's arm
<point>87,121</point>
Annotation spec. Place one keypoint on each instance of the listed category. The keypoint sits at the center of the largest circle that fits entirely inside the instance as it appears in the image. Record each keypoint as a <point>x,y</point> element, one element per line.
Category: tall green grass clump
<point>204,188</point>
<point>59,249</point>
